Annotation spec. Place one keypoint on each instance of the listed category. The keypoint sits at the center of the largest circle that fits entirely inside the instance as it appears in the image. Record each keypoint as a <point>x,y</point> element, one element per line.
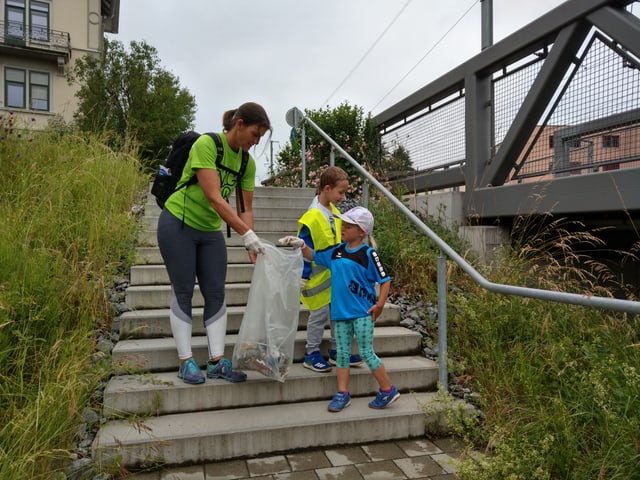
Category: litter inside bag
<point>270,322</point>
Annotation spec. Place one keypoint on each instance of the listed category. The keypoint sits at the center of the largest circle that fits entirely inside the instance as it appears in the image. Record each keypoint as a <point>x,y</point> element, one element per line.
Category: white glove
<point>291,241</point>
<point>252,242</point>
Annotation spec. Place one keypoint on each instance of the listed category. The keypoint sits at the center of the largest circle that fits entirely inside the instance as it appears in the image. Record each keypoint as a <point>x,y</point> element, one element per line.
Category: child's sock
<point>387,390</point>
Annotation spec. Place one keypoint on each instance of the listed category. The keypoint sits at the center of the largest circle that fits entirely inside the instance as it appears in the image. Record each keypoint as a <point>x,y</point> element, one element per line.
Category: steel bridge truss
<point>547,120</point>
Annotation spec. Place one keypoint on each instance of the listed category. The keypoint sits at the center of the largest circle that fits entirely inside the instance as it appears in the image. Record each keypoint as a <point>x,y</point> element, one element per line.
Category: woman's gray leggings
<point>189,254</point>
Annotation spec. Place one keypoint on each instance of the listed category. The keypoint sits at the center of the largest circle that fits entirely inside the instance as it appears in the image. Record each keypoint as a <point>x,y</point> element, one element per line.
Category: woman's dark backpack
<point>166,181</point>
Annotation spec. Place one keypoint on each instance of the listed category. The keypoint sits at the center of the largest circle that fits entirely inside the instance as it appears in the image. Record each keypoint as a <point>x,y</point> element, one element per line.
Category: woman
<point>192,243</point>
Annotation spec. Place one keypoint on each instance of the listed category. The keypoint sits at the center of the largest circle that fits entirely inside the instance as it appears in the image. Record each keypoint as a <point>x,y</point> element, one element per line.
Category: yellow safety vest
<point>317,291</point>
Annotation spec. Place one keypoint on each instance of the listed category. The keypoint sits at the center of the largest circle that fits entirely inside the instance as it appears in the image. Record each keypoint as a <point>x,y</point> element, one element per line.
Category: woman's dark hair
<point>250,113</point>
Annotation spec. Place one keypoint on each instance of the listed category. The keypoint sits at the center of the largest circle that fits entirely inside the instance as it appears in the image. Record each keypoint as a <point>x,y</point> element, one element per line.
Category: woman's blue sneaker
<point>222,369</point>
<point>190,372</point>
<point>340,402</point>
<point>384,399</point>
<point>354,360</point>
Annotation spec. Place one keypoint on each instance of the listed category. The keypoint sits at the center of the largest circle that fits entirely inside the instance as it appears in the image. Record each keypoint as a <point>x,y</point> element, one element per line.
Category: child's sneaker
<point>222,369</point>
<point>340,401</point>
<point>316,362</point>
<point>354,360</point>
<point>384,399</point>
<point>190,372</point>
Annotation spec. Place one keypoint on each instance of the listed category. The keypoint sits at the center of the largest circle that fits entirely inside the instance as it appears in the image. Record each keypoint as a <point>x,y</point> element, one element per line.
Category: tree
<point>351,129</point>
<point>129,96</point>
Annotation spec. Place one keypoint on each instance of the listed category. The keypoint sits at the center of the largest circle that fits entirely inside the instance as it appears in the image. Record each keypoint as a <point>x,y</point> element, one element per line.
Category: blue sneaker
<point>340,402</point>
<point>383,399</point>
<point>354,360</point>
<point>222,369</point>
<point>190,372</point>
<point>316,362</point>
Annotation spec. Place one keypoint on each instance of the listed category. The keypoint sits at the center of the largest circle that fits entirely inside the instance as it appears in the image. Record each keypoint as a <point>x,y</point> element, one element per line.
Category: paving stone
<point>306,475</point>
<point>268,465</point>
<point>417,448</point>
<point>446,461</point>
<point>346,456</point>
<point>308,460</point>
<point>449,444</point>
<point>383,451</point>
<point>346,472</point>
<point>231,470</point>
<point>184,473</point>
<point>419,467</point>
<point>386,470</point>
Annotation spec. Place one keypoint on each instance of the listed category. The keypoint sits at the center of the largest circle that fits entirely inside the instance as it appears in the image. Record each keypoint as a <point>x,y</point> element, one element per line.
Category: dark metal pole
<point>487,23</point>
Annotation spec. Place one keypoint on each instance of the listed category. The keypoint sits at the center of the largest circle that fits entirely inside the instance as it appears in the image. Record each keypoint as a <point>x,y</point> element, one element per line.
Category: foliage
<point>349,127</point>
<point>558,385</point>
<point>130,96</point>
<point>66,229</point>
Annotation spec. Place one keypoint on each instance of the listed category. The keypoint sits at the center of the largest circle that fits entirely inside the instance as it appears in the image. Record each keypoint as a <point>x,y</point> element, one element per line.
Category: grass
<point>559,384</point>
<point>65,232</point>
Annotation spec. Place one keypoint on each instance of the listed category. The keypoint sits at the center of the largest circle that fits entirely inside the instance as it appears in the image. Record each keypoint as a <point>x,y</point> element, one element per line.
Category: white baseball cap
<point>358,216</point>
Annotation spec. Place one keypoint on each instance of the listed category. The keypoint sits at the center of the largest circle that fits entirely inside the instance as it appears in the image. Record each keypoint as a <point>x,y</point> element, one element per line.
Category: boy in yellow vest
<point>320,229</point>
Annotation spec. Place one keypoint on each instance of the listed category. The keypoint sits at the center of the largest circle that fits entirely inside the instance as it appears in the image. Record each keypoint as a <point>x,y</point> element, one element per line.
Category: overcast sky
<point>311,54</point>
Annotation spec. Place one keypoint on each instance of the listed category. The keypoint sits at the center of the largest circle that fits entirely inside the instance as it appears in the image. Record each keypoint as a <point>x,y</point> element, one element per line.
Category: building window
<point>39,16</point>
<point>39,91</point>
<point>15,14</point>
<point>611,141</point>
<point>16,89</point>
<point>551,142</point>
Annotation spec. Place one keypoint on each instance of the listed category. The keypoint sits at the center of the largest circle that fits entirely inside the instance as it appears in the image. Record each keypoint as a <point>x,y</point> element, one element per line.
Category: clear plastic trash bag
<point>270,322</point>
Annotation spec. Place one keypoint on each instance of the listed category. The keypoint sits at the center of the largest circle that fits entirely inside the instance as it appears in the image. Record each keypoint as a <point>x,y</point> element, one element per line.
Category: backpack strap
<point>239,174</point>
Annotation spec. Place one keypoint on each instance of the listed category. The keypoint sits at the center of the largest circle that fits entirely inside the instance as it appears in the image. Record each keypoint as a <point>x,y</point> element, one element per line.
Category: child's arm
<point>376,310</point>
<point>297,242</point>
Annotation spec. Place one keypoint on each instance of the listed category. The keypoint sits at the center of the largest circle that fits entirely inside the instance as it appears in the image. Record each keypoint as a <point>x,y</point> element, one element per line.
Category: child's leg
<point>344,337</point>
<point>315,328</point>
<point>380,374</point>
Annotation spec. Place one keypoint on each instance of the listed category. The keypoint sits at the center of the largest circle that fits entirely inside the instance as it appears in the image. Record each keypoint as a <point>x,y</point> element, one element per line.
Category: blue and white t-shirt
<point>354,274</point>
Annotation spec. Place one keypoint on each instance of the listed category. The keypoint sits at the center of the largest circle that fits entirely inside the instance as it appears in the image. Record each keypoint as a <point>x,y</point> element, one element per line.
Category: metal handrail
<point>296,117</point>
<point>34,37</point>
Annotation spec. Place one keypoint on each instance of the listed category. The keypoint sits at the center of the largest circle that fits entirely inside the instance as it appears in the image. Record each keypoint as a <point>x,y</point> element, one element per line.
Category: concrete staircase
<point>156,419</point>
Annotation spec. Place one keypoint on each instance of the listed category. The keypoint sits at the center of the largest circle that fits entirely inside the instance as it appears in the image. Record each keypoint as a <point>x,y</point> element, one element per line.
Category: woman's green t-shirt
<point>190,203</point>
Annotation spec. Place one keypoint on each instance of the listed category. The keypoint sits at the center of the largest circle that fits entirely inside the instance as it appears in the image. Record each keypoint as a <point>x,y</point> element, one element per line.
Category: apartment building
<point>39,42</point>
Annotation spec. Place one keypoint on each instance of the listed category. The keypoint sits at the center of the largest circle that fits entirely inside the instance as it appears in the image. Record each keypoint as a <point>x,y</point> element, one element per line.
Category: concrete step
<point>214,435</point>
<point>151,323</point>
<point>159,354</point>
<point>151,255</point>
<point>262,225</point>
<point>159,296</point>
<point>164,393</point>
<point>148,238</point>
<point>157,274</point>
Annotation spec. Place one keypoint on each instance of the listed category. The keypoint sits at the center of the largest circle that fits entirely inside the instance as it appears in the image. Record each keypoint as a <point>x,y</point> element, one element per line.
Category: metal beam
<point>620,25</point>
<point>612,191</point>
<point>540,94</point>
<point>427,181</point>
<point>529,39</point>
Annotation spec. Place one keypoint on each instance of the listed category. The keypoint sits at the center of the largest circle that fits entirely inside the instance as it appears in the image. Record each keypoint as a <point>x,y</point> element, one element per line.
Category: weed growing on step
<point>66,229</point>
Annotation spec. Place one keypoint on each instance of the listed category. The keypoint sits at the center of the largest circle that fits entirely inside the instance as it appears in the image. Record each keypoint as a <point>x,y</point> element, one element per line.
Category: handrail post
<point>442,323</point>
<point>303,147</point>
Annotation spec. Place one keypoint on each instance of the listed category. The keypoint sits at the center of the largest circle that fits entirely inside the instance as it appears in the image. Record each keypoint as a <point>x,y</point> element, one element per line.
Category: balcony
<point>38,42</point>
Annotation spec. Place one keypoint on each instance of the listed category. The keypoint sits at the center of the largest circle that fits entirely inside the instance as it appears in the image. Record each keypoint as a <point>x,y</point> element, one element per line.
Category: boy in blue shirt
<point>355,270</point>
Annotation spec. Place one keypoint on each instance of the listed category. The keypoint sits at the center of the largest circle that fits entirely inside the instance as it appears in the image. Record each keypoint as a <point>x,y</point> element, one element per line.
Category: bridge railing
<point>297,119</point>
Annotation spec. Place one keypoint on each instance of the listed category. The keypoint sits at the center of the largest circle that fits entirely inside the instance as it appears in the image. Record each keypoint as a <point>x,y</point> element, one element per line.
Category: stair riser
<point>149,238</point>
<point>135,355</point>
<point>159,296</point>
<point>151,255</point>
<point>157,274</point>
<point>155,323</point>
<point>281,209</point>
<point>260,224</point>
<point>164,393</point>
